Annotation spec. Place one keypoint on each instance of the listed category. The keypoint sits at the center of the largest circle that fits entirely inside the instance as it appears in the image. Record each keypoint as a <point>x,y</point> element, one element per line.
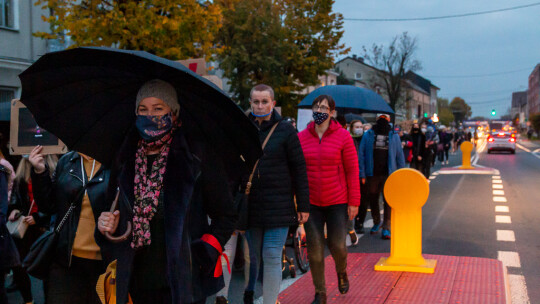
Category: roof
<point>420,81</point>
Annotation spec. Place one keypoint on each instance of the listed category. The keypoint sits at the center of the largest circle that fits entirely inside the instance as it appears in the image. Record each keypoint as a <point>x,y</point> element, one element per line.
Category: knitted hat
<point>159,89</point>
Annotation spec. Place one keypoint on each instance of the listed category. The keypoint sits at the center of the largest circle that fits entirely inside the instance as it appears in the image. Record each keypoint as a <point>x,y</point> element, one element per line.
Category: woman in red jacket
<point>334,191</point>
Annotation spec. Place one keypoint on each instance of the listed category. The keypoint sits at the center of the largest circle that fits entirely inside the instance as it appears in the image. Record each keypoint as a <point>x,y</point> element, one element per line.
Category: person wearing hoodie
<point>380,154</point>
<point>334,192</point>
<point>418,148</point>
<point>432,140</point>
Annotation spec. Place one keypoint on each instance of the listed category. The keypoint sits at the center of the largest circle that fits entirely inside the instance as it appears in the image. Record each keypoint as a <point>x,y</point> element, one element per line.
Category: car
<point>501,141</point>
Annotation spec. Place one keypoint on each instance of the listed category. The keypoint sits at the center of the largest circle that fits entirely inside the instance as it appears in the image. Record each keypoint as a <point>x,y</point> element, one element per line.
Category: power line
<point>442,17</point>
<point>478,75</point>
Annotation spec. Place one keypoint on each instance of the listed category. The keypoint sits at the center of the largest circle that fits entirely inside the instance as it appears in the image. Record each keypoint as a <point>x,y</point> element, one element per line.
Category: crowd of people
<point>175,229</point>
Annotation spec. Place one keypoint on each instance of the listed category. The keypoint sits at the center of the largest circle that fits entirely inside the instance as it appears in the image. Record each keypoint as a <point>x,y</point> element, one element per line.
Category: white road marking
<point>523,148</point>
<point>497,181</point>
<point>509,258</point>
<point>519,289</point>
<point>502,209</point>
<point>503,219</point>
<point>496,177</point>
<point>506,236</point>
<point>498,192</point>
<point>435,173</point>
<point>432,177</point>
<point>497,186</point>
<point>499,199</point>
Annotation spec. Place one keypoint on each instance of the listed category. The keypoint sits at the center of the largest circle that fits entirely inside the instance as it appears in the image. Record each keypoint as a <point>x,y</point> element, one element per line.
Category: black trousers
<point>161,296</point>
<point>374,188</point>
<point>22,280</point>
<point>3,295</point>
<point>336,219</point>
<point>76,284</point>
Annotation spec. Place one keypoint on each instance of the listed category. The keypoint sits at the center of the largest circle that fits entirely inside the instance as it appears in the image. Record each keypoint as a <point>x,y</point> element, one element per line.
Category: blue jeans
<point>271,242</point>
<point>335,217</point>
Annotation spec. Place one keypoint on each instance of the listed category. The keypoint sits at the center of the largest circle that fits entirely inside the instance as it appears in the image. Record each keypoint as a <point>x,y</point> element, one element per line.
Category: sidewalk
<point>456,280</point>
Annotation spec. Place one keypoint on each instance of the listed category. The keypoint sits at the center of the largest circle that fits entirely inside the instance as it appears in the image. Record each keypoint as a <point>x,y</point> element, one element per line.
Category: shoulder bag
<point>18,227</point>
<point>241,200</point>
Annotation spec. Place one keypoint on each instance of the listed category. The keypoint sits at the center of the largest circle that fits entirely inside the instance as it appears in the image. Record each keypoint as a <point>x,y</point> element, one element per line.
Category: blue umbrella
<point>350,99</point>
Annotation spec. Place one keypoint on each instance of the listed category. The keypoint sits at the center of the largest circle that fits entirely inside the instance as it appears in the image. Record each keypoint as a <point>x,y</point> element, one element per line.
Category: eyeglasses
<point>322,108</point>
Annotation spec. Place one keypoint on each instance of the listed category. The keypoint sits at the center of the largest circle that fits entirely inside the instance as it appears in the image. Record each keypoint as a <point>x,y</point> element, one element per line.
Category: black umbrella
<point>86,97</point>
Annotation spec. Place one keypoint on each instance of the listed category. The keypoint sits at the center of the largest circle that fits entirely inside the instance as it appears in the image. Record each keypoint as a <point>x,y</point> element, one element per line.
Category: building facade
<point>533,92</point>
<point>520,108</point>
<point>18,47</point>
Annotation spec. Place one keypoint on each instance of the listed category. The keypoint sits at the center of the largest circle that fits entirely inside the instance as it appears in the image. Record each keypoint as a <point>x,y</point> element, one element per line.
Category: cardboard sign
<point>215,80</point>
<point>25,134</point>
<point>197,65</point>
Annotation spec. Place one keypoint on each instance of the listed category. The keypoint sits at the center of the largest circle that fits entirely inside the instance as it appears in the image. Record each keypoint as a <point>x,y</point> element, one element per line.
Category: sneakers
<point>385,234</point>
<point>221,300</point>
<point>343,282</point>
<point>320,298</point>
<point>354,237</point>
<point>375,229</point>
<point>248,297</point>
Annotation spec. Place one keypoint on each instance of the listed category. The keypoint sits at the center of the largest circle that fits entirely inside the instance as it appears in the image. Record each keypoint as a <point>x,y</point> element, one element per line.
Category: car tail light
<point>513,135</point>
<point>512,139</point>
<point>490,139</point>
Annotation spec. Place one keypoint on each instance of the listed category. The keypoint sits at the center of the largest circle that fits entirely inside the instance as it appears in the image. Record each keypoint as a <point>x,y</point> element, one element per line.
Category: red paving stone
<point>457,280</point>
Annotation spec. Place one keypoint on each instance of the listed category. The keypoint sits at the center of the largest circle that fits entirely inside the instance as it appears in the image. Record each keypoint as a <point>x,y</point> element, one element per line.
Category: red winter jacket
<point>332,166</point>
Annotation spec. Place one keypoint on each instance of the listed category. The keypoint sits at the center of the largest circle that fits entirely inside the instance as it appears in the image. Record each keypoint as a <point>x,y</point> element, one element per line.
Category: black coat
<point>195,187</point>
<point>280,175</point>
<point>54,195</point>
<point>9,257</point>
<point>419,145</point>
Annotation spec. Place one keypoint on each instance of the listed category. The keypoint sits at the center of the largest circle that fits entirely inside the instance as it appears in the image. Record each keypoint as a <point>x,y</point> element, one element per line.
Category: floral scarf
<point>148,187</point>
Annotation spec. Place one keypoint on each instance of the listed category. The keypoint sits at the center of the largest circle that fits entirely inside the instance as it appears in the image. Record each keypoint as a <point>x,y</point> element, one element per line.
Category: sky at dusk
<point>482,59</point>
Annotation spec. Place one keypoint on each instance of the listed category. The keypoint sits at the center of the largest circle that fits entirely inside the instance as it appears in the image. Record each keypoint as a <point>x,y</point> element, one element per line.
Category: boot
<point>320,298</point>
<point>221,300</point>
<point>343,282</point>
<point>248,297</point>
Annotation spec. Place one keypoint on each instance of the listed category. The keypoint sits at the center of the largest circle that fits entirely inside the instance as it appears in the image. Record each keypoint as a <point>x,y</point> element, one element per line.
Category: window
<point>6,95</point>
<point>358,76</point>
<point>7,13</point>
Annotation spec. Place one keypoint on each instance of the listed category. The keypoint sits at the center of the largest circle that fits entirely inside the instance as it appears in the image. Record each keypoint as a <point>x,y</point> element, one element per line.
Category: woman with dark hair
<point>418,148</point>
<point>9,256</point>
<point>334,192</point>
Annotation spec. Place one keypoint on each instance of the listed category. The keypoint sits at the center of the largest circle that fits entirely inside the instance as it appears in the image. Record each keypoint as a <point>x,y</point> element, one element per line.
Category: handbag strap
<point>31,206</point>
<point>248,185</point>
<point>70,209</point>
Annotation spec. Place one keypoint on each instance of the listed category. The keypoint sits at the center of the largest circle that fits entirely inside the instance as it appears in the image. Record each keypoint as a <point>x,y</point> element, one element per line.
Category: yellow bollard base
<point>428,267</point>
<point>467,167</point>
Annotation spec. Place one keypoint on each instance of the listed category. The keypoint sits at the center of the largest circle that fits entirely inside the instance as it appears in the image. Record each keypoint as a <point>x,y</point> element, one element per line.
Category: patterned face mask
<point>153,127</point>
<point>320,117</point>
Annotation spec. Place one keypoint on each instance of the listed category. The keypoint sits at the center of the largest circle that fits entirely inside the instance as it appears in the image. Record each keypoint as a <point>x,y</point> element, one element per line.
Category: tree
<point>392,63</point>
<point>460,109</point>
<point>444,112</point>
<point>535,122</point>
<point>175,30</point>
<point>285,44</point>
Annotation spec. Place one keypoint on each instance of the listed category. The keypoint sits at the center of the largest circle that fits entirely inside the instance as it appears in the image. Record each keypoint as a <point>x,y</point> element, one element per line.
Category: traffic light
<point>493,112</point>
<point>425,115</point>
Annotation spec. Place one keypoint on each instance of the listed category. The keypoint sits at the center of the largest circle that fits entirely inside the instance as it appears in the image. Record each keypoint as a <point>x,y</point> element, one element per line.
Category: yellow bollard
<point>406,191</point>
<point>466,149</point>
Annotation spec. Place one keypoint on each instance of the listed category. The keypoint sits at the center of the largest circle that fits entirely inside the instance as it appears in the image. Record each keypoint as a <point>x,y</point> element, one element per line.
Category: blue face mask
<point>153,127</point>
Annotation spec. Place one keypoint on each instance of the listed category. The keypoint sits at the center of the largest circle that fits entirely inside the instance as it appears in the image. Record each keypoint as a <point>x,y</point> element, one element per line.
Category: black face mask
<point>382,127</point>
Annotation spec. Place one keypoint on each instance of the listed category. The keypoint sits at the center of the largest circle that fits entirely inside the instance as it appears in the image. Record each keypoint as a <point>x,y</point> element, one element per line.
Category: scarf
<point>148,187</point>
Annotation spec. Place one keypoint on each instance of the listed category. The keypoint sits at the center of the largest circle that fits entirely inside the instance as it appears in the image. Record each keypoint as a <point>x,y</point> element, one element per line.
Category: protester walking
<point>22,205</point>
<point>279,176</point>
<point>80,180</point>
<point>334,189</point>
<point>444,145</point>
<point>379,156</point>
<point>418,149</point>
<point>355,226</point>
<point>9,257</point>
<point>170,182</point>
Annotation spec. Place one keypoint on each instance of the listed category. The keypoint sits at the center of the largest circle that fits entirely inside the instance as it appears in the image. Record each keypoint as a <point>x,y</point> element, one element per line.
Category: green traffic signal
<point>493,112</point>
<point>425,114</point>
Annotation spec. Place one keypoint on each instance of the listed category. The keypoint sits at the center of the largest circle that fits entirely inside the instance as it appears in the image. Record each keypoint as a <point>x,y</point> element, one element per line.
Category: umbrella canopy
<point>86,97</point>
<point>350,99</point>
